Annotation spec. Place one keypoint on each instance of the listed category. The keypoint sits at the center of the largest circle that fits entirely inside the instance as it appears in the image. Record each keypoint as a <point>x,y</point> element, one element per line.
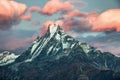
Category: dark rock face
<point>58,56</point>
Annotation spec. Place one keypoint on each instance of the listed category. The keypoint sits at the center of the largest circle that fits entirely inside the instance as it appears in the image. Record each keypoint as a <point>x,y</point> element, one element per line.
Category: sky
<point>93,21</point>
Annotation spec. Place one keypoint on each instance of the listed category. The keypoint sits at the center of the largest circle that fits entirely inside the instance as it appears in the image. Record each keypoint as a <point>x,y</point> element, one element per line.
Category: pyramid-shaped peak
<point>54,28</point>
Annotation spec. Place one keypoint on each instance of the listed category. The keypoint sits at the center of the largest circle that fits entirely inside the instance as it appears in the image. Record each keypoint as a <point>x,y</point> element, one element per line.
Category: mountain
<point>58,56</point>
<point>7,58</point>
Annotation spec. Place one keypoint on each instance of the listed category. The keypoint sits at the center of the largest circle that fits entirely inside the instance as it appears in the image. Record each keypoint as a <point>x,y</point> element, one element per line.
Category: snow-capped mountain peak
<point>55,43</point>
<point>7,58</point>
<point>53,28</point>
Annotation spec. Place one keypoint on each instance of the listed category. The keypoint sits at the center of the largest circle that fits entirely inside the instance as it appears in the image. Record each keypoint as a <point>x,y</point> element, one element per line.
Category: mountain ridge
<point>58,56</point>
<point>7,58</point>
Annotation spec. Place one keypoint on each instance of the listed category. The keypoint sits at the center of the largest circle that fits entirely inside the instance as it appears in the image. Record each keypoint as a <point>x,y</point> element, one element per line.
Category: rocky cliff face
<point>58,56</point>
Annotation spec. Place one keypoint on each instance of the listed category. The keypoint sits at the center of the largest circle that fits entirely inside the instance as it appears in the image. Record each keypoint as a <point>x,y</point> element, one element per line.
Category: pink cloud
<point>75,13</point>
<point>11,9</point>
<point>107,21</point>
<point>44,29</point>
<point>79,24</point>
<point>67,25</point>
<point>15,43</point>
<point>60,22</point>
<point>54,6</point>
<point>11,13</point>
<point>27,17</point>
<point>78,20</point>
<point>69,22</point>
<point>34,9</point>
<point>105,48</point>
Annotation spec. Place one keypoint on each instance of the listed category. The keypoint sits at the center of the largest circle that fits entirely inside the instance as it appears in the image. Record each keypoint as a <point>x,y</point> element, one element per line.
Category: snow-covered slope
<point>7,58</point>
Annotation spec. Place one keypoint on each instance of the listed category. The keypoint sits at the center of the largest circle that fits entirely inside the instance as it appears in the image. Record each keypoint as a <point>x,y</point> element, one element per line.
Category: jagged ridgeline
<point>58,56</point>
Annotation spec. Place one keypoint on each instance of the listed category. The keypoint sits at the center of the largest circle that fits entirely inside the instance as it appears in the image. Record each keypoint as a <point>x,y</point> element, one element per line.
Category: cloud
<point>34,9</point>
<point>71,20</point>
<point>59,22</point>
<point>75,13</point>
<point>27,17</point>
<point>15,43</point>
<point>78,21</point>
<point>107,21</point>
<point>44,28</point>
<point>106,42</point>
<point>105,48</point>
<point>91,21</point>
<point>77,25</point>
<point>11,13</point>
<point>75,20</point>
<point>79,4</point>
<point>68,25</point>
<point>54,6</point>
